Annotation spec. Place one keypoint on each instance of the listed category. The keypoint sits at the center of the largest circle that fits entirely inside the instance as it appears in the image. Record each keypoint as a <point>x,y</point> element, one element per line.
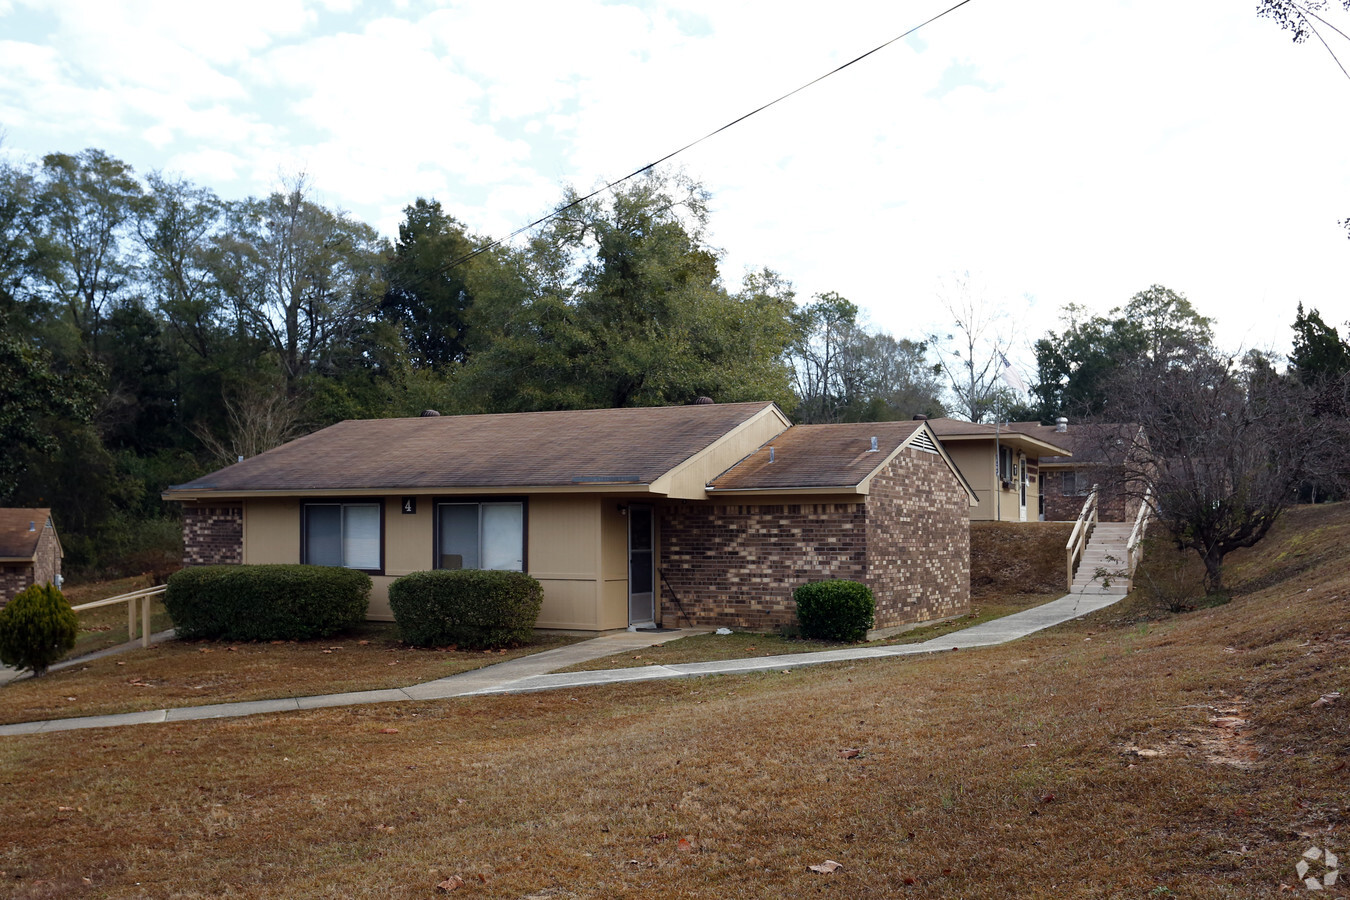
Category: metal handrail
<point>1078,538</point>
<point>144,596</point>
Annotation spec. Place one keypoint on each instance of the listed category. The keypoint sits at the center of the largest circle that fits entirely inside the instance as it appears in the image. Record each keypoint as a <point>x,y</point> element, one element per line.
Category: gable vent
<point>922,441</point>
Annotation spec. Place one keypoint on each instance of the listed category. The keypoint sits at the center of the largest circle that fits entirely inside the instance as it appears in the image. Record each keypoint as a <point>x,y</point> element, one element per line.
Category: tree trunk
<point>1213,571</point>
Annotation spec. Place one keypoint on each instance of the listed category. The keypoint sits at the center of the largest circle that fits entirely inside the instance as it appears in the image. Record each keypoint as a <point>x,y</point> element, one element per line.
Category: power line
<point>651,165</point>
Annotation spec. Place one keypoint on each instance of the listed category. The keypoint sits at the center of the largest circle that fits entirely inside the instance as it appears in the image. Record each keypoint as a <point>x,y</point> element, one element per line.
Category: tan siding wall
<point>408,539</point>
<point>613,557</point>
<point>564,554</point>
<point>976,462</point>
<point>271,531</point>
<point>691,481</point>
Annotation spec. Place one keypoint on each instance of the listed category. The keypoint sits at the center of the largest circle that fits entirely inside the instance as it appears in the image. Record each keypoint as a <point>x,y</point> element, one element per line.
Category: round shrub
<point>835,610</point>
<point>37,627</point>
<point>470,608</point>
<point>266,603</point>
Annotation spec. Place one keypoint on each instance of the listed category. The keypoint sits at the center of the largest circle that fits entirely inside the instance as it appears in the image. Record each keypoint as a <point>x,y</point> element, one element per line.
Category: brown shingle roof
<point>534,449</point>
<point>807,456</point>
<point>1012,432</point>
<point>1082,441</point>
<point>16,540</point>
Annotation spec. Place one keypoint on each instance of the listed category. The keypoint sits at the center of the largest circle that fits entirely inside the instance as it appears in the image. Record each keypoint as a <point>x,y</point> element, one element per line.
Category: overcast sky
<point>1060,151</point>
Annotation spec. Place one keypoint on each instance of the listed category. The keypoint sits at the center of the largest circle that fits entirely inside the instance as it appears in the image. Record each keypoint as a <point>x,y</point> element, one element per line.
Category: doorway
<point>641,566</point>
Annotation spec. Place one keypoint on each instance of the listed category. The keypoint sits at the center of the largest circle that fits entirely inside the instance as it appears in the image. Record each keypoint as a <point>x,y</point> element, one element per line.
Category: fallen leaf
<point>1327,699</point>
<point>826,867</point>
<point>909,879</point>
<point>388,731</point>
<point>231,649</point>
<point>1048,798</point>
<point>450,883</point>
<point>684,845</point>
<point>364,643</point>
<point>850,753</point>
<point>482,878</point>
<point>1032,744</point>
<point>659,837</point>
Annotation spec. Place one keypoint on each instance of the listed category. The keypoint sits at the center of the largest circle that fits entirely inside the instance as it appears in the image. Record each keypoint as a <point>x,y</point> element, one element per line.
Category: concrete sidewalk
<point>539,672</point>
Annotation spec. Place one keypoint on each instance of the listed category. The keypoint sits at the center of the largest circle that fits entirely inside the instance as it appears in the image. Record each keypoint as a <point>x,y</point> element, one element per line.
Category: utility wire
<point>651,165</point>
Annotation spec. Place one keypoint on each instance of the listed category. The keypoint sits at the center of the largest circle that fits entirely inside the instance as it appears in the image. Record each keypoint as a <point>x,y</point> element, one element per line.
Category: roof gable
<point>20,531</point>
<point>567,449</point>
<point>1014,434</point>
<point>826,458</point>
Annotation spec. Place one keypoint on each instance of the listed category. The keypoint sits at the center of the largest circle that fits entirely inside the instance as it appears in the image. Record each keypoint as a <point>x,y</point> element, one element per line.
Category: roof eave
<point>618,487</point>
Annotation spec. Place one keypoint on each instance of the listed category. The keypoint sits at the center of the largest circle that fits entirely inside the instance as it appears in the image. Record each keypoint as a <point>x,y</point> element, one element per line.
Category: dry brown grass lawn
<point>197,673</point>
<point>1018,557</point>
<point>1007,772</point>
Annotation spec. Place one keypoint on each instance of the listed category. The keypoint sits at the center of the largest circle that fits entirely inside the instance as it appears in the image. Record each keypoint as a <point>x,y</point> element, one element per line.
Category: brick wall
<point>213,535</point>
<point>737,565</point>
<point>1113,504</point>
<point>918,541</point>
<point>47,565</point>
<point>14,577</point>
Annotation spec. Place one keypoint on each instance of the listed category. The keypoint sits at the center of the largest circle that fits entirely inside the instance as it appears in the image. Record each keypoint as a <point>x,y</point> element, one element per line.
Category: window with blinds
<point>342,534</point>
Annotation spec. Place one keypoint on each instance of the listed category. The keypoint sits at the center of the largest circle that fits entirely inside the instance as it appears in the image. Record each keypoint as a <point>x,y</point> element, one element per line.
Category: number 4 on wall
<point>410,506</point>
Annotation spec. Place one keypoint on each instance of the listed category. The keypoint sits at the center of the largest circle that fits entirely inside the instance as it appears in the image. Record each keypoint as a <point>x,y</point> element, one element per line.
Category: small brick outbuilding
<point>30,551</point>
<point>708,514</point>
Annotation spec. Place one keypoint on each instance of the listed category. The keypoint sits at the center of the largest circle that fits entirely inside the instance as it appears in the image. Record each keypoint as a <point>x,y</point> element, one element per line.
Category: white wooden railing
<point>144,596</point>
<point>1133,548</point>
<point>1082,530</point>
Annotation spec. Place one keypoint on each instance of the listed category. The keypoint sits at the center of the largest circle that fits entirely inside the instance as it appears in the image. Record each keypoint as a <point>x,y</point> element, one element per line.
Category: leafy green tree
<point>85,203</point>
<point>1319,350</point>
<point>428,295</point>
<point>33,394</point>
<point>1157,328</point>
<point>845,372</point>
<point>300,276</point>
<point>37,627</point>
<point>620,303</point>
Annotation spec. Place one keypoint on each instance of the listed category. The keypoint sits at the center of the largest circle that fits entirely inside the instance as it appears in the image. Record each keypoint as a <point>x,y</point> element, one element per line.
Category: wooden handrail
<point>144,596</point>
<point>1132,546</point>
<point>1078,538</point>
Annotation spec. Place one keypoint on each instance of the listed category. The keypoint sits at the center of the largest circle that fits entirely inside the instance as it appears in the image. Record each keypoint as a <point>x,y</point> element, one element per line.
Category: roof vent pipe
<point>874,445</point>
<point>32,526</point>
<point>1061,424</point>
<point>919,417</point>
<point>240,459</point>
<point>770,454</point>
<point>428,413</point>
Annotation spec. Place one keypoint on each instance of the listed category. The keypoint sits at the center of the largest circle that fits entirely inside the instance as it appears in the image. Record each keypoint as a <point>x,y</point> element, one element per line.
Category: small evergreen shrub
<point>266,603</point>
<point>37,627</point>
<point>835,610</point>
<point>471,608</point>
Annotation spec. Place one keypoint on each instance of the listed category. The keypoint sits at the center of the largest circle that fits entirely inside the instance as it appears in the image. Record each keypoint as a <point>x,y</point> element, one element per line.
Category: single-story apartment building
<point>1093,455</point>
<point>30,551</point>
<point>1002,465</point>
<point>708,514</point>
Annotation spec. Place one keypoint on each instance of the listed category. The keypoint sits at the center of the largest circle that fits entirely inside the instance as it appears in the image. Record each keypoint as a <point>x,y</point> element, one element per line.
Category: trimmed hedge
<point>266,603</point>
<point>835,610</point>
<point>471,608</point>
<point>37,627</point>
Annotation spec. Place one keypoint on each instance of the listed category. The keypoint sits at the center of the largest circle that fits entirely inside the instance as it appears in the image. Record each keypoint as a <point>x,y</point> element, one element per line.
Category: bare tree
<point>259,420</point>
<point>973,355</point>
<point>1227,448</point>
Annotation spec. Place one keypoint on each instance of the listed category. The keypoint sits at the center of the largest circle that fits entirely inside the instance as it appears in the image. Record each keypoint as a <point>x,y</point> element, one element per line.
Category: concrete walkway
<point>539,671</point>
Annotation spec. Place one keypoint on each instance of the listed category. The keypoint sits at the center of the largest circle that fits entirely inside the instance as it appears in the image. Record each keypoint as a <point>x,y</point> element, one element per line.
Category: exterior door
<point>1022,489</point>
<point>641,566</point>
